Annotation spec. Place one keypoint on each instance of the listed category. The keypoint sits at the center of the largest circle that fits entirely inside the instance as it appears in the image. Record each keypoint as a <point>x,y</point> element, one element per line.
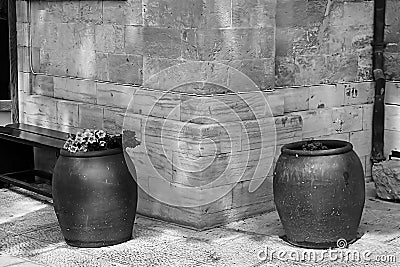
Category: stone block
<point>218,73</point>
<point>259,71</point>
<point>392,66</point>
<point>230,107</point>
<point>182,78</point>
<point>90,116</point>
<point>347,119</point>
<point>162,42</point>
<point>392,142</point>
<point>22,34</point>
<point>43,85</point>
<point>91,11</point>
<point>52,35</point>
<point>284,40</point>
<point>200,217</point>
<point>368,168</point>
<point>134,40</point>
<point>59,83</point>
<point>213,214</point>
<point>152,66</point>
<point>156,104</point>
<point>24,83</point>
<point>109,38</point>
<point>340,68</point>
<point>133,122</point>
<point>244,196</point>
<point>187,14</point>
<point>70,11</point>
<point>357,13</point>
<point>334,136</point>
<point>362,142</point>
<point>21,11</point>
<point>52,62</point>
<point>392,94</point>
<point>203,109</point>
<point>368,110</point>
<point>41,108</point>
<point>81,64</point>
<point>101,69</point>
<point>310,128</point>
<point>339,39</point>
<point>125,68</point>
<point>23,62</point>
<point>46,12</point>
<point>325,96</point>
<point>364,72</point>
<point>230,215</point>
<point>74,89</point>
<point>358,93</point>
<point>191,150</point>
<point>123,13</point>
<point>299,12</point>
<point>34,120</point>
<point>253,13</point>
<point>185,196</point>
<point>203,171</point>
<point>113,120</point>
<point>85,36</point>
<point>361,38</point>
<point>392,117</point>
<point>35,56</point>
<point>386,176</point>
<point>228,44</point>
<point>216,14</point>
<point>192,171</point>
<point>114,95</point>
<point>285,71</point>
<point>67,113</point>
<point>307,70</point>
<point>65,37</point>
<point>271,132</point>
<point>295,98</point>
<point>331,121</point>
<point>213,139</point>
<point>307,41</point>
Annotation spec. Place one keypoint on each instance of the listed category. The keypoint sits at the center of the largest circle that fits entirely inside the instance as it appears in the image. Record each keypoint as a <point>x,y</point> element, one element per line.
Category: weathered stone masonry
<point>93,55</point>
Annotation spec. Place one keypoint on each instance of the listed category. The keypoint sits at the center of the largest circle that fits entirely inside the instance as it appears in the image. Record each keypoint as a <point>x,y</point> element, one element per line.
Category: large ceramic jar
<point>94,197</point>
<point>319,195</point>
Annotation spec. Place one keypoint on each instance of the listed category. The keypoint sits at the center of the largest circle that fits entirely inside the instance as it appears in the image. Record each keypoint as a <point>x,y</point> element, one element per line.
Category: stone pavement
<point>30,236</point>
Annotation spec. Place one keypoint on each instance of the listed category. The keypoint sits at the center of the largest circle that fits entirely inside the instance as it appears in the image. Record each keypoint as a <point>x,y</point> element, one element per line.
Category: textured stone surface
<point>386,176</point>
<point>156,243</point>
<point>108,47</point>
<point>126,68</point>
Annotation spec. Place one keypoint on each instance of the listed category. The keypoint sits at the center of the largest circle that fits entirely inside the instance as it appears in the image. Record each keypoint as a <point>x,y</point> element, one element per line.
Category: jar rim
<point>89,154</point>
<point>334,147</point>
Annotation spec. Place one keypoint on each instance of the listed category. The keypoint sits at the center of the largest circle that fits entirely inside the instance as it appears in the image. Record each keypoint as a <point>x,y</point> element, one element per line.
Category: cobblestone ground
<point>30,236</point>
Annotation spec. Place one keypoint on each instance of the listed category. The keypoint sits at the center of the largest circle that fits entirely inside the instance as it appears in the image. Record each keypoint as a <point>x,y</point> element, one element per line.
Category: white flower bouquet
<point>92,140</point>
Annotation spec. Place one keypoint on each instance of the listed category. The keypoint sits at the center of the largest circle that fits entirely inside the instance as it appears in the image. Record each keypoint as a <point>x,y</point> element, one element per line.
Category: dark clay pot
<point>94,198</point>
<point>319,195</point>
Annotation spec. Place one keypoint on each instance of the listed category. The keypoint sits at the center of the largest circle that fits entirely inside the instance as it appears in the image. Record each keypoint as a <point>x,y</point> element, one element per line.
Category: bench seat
<point>18,145</point>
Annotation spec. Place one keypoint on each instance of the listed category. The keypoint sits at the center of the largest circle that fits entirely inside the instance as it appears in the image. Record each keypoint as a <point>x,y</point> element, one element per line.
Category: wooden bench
<point>19,146</point>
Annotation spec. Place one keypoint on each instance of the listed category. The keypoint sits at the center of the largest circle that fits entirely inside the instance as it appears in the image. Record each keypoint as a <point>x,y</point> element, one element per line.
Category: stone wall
<point>392,71</point>
<point>323,41</point>
<point>91,57</point>
<point>392,37</point>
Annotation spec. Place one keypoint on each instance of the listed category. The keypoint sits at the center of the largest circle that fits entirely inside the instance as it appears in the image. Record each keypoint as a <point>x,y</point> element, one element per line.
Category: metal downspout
<point>378,46</point>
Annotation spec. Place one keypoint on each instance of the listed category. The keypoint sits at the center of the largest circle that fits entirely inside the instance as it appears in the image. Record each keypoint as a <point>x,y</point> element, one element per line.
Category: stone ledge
<point>386,176</point>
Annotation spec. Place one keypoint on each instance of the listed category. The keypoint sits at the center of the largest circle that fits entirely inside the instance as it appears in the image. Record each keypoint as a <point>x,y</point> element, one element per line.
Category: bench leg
<point>16,157</point>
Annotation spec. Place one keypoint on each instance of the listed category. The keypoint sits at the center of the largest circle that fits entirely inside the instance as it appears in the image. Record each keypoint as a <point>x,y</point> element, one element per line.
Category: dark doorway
<point>4,48</point>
